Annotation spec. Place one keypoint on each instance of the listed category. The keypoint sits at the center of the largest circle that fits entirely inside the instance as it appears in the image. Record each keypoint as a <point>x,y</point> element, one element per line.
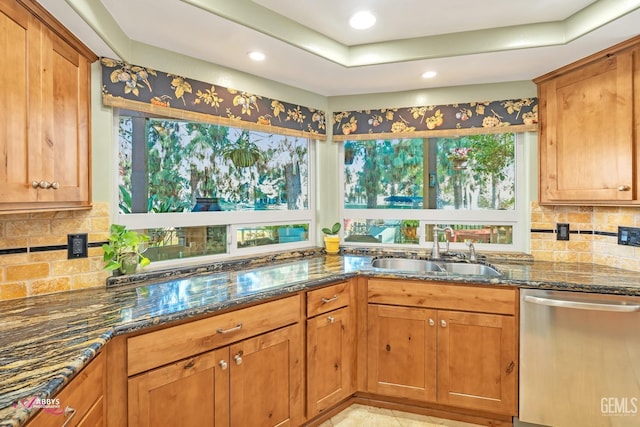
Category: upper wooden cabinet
<point>589,121</point>
<point>44,112</point>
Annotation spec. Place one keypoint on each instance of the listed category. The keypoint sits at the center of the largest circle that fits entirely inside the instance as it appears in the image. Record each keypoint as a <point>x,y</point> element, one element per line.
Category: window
<point>396,191</point>
<point>201,189</point>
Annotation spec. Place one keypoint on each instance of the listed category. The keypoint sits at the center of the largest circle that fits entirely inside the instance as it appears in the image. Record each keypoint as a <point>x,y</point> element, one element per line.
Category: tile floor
<point>360,415</point>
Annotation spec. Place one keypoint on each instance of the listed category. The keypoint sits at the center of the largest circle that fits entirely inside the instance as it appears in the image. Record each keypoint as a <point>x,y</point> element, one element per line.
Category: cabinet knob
<point>624,188</point>
<point>443,323</point>
<point>70,412</point>
<point>223,365</point>
<point>432,322</point>
<point>238,358</point>
<point>331,319</point>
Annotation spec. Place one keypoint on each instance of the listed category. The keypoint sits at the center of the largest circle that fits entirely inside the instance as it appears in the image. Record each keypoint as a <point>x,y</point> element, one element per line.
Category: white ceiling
<point>309,44</point>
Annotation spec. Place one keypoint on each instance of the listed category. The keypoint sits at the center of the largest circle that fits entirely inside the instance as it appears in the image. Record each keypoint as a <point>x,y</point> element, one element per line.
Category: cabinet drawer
<point>84,394</point>
<point>326,299</point>
<point>443,296</point>
<point>161,347</point>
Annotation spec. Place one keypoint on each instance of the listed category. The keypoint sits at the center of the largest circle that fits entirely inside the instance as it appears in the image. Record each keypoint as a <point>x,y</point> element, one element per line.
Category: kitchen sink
<point>471,269</point>
<point>427,266</point>
<point>406,264</point>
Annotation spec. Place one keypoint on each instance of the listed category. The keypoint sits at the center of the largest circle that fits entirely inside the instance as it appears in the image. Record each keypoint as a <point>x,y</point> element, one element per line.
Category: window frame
<point>231,219</point>
<point>517,218</point>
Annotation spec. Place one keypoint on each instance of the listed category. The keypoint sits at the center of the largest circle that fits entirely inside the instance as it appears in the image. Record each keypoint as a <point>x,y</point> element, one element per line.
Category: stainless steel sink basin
<point>406,264</point>
<point>470,269</point>
<point>426,266</point>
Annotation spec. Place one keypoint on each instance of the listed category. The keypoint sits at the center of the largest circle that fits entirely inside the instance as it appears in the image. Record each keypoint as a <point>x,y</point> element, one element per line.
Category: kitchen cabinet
<point>448,344</point>
<point>588,133</point>
<point>241,368</point>
<point>44,111</point>
<point>331,346</point>
<point>81,402</point>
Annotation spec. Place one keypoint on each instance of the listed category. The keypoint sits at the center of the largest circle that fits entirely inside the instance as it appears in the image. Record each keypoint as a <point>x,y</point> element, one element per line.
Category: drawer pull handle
<point>624,188</point>
<point>223,364</point>
<point>228,331</point>
<point>327,300</point>
<point>69,412</point>
<point>190,364</point>
<point>46,184</point>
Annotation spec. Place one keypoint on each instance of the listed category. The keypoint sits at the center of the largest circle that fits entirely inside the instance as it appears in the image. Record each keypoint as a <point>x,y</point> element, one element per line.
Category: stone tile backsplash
<point>593,237</point>
<point>33,254</point>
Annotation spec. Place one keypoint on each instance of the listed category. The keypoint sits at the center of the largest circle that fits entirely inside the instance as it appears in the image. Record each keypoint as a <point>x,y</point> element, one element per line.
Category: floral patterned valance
<point>520,114</point>
<point>143,89</point>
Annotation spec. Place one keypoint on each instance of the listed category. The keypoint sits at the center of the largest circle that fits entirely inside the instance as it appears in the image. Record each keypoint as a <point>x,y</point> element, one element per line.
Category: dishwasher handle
<point>567,303</point>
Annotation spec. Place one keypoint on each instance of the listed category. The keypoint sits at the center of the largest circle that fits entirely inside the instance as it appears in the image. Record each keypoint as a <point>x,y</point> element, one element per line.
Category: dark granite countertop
<point>47,339</point>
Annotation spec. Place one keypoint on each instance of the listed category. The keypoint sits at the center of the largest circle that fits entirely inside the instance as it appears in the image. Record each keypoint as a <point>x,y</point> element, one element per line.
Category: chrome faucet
<point>472,252</point>
<point>435,251</point>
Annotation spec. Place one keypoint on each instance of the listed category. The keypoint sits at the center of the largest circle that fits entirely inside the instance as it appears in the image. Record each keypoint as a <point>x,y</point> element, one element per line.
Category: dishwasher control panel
<point>629,236</point>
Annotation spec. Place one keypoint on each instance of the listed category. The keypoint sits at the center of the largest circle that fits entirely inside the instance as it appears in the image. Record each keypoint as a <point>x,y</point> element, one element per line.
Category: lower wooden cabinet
<point>81,402</point>
<point>420,350</point>
<point>256,381</point>
<point>401,356</point>
<point>191,392</point>
<point>477,358</point>
<point>331,347</point>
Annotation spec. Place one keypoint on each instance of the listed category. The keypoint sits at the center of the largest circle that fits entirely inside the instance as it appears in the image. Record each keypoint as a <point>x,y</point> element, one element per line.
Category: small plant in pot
<point>122,253</point>
<point>331,239</point>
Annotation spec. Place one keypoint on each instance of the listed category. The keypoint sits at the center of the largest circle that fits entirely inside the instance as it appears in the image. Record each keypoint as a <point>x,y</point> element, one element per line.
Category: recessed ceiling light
<point>362,20</point>
<point>429,74</point>
<point>257,56</point>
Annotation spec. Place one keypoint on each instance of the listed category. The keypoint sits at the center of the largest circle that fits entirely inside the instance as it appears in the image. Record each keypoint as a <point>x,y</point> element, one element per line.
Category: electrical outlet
<point>562,231</point>
<point>629,236</point>
<point>77,246</point>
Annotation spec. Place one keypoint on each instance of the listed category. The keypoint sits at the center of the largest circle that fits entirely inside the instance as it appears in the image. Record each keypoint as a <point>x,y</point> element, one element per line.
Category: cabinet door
<point>266,379</point>
<point>401,352</point>
<point>330,359</point>
<point>19,54</point>
<point>477,361</point>
<point>192,392</point>
<point>586,133</point>
<point>63,138</point>
<point>81,401</point>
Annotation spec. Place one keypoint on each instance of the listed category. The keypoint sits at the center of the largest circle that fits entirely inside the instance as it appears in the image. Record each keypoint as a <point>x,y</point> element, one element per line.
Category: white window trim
<point>232,219</point>
<point>518,218</point>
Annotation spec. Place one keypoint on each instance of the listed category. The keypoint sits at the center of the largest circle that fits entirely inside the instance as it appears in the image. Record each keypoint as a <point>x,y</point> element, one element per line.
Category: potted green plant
<point>122,252</point>
<point>242,153</point>
<point>331,239</point>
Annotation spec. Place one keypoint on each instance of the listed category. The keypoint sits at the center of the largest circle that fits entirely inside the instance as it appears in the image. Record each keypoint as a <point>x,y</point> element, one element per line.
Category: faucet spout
<point>472,252</point>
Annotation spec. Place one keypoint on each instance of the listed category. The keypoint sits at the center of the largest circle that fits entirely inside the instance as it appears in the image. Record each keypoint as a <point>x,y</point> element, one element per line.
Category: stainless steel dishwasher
<point>579,359</point>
